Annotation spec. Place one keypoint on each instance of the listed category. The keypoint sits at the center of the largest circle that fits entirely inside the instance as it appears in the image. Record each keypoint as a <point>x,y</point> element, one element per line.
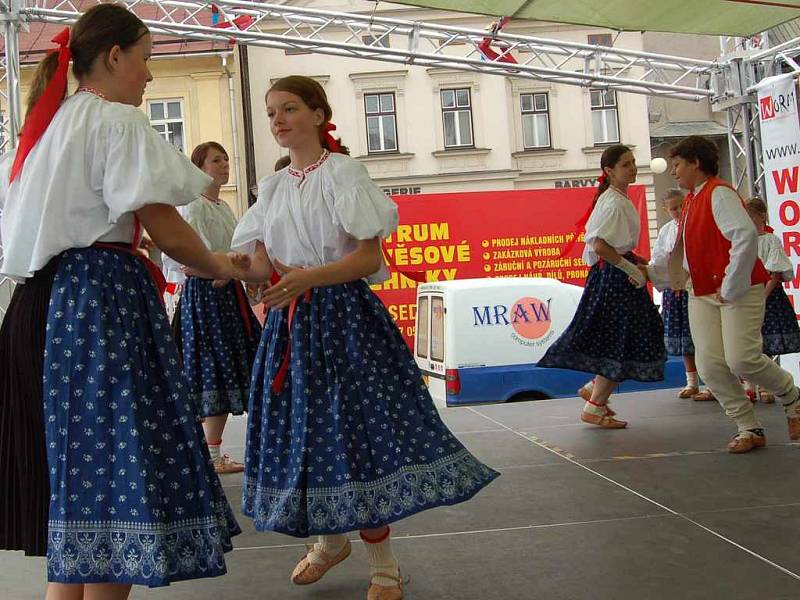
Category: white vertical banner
<point>780,142</point>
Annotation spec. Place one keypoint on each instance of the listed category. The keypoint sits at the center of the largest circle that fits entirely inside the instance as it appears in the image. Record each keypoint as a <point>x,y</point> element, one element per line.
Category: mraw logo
<point>767,108</point>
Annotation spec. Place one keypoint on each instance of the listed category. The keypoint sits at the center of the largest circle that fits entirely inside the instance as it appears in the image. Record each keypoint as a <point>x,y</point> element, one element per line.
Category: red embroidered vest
<point>707,250</point>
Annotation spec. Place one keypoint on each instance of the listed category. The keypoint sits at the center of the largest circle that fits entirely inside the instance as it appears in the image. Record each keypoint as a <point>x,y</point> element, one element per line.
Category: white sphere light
<point>658,165</point>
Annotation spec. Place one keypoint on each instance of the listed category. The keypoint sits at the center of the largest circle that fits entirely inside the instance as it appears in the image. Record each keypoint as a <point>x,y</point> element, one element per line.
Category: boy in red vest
<point>717,249</point>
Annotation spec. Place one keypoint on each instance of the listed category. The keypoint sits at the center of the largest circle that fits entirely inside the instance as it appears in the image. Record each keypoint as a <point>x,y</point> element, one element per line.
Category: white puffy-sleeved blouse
<point>613,220</point>
<point>96,164</point>
<point>664,244</point>
<point>771,253</point>
<point>213,221</point>
<point>317,216</point>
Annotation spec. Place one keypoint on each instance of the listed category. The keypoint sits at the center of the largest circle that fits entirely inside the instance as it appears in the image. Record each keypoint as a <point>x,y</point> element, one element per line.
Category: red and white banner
<point>488,234</point>
<point>780,142</point>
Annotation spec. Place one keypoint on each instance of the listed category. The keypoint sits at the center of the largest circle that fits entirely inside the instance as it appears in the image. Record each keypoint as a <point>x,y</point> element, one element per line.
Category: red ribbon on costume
<point>768,229</point>
<point>244,308</point>
<point>413,274</point>
<point>42,113</point>
<point>280,376</point>
<point>580,224</point>
<point>152,268</point>
<point>331,142</point>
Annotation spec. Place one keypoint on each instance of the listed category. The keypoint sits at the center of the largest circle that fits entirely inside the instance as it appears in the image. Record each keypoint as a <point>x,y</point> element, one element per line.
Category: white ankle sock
<point>215,450</point>
<point>692,380</point>
<point>331,545</point>
<point>593,409</point>
<point>382,560</point>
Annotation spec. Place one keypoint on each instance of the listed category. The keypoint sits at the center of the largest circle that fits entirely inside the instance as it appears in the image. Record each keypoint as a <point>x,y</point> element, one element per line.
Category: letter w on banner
<point>780,142</point>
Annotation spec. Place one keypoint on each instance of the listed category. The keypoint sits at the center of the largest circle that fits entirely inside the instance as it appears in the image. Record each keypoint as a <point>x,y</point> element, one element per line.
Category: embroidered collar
<point>301,175</point>
<point>91,90</point>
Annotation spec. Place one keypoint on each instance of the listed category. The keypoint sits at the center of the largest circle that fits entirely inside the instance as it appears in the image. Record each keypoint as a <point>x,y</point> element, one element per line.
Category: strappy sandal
<point>688,391</point>
<point>586,396</point>
<point>385,592</point>
<point>307,572</point>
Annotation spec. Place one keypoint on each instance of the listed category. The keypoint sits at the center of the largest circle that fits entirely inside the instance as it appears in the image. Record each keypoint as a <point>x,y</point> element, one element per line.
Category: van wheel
<point>526,396</point>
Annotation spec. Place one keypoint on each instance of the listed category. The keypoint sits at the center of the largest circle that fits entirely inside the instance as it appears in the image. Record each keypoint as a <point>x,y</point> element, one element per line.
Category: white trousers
<point>728,345</point>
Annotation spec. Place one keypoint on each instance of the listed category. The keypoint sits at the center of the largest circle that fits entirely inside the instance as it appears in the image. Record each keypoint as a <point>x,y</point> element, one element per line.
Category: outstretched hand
<point>293,283</point>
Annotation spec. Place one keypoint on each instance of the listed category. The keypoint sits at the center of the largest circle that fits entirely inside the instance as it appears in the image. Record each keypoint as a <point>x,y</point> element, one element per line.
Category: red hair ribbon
<point>602,179</point>
<point>768,229</point>
<point>331,142</point>
<point>46,106</point>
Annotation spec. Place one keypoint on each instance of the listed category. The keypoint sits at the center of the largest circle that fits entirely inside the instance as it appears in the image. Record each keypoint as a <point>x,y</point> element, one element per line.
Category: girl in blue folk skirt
<point>342,433</point>
<point>780,330</point>
<point>675,303</point>
<point>616,333</point>
<point>132,497</point>
<point>215,328</point>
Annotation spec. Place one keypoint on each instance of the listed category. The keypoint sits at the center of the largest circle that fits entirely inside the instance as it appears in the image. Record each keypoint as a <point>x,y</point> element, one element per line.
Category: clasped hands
<point>294,281</point>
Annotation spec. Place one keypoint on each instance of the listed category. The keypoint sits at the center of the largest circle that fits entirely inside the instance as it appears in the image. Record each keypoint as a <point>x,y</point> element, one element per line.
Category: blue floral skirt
<point>134,498</point>
<point>217,350</point>
<point>353,440</point>
<point>675,311</point>
<point>616,331</point>
<point>780,330</point>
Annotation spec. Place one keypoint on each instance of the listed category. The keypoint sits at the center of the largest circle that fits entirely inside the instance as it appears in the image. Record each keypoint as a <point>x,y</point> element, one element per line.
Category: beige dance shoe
<point>688,391</point>
<point>307,572</point>
<point>383,592</point>
<point>794,428</point>
<point>606,421</point>
<point>586,396</point>
<point>745,441</point>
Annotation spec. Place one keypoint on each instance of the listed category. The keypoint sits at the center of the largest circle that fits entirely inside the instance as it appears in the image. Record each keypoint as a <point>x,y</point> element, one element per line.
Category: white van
<point>478,340</point>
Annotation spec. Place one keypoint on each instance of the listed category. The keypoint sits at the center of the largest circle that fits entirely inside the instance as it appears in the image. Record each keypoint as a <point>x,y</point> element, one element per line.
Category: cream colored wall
<point>496,162</point>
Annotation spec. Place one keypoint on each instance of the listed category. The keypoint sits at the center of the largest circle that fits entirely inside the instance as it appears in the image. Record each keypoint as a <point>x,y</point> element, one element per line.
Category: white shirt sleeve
<point>610,223</point>
<point>142,168</point>
<point>771,253</point>
<point>253,223</point>
<point>736,227</point>
<point>361,208</point>
<point>6,161</point>
<point>664,244</point>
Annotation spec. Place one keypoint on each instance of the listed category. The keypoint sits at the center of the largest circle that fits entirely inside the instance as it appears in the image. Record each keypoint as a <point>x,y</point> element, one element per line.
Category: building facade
<point>426,130</point>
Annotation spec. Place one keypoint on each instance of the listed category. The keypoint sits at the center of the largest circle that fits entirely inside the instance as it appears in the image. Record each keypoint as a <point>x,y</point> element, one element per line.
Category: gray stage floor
<point>657,511</point>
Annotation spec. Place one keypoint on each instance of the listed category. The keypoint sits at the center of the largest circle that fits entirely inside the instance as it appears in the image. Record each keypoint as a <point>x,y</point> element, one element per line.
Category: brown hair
<point>313,95</point>
<point>700,149</point>
<point>756,205</point>
<point>200,152</point>
<point>283,162</point>
<point>609,159</point>
<point>99,29</point>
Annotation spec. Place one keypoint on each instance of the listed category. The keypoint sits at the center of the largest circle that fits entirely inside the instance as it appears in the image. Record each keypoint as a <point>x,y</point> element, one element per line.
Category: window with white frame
<point>535,120</point>
<point>457,117</point>
<point>166,117</point>
<point>605,118</point>
<point>381,114</point>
